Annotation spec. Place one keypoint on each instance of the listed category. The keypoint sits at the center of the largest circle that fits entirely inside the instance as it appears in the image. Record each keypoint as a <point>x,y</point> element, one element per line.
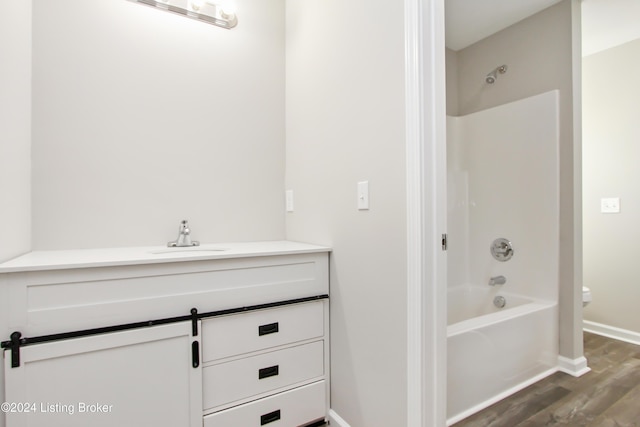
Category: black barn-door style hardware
<point>16,340</point>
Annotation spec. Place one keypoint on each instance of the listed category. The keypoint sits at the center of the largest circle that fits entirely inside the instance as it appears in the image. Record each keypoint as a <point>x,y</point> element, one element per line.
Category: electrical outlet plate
<point>289,200</point>
<point>610,205</point>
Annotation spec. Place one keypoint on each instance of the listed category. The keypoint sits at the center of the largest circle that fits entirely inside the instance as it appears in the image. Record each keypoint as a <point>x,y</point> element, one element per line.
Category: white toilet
<point>586,296</point>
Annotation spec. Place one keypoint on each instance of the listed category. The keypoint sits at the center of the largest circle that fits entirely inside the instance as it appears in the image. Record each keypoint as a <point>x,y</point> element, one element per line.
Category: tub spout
<point>497,280</point>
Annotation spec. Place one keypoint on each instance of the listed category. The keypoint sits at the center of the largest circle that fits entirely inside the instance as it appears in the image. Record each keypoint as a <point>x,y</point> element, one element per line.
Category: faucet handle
<point>501,249</point>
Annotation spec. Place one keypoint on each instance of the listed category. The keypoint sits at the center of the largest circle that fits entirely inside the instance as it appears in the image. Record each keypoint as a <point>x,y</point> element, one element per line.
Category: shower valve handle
<point>502,249</point>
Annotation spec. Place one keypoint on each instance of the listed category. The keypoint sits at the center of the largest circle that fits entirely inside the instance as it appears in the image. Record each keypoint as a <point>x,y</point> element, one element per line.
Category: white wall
<point>142,118</point>
<point>345,123</point>
<point>451,58</point>
<point>458,252</point>
<point>610,169</point>
<point>15,128</point>
<point>542,54</point>
<point>15,143</point>
<point>506,185</point>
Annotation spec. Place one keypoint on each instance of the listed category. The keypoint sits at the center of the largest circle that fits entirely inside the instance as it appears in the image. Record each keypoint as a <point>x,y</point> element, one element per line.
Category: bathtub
<point>492,352</point>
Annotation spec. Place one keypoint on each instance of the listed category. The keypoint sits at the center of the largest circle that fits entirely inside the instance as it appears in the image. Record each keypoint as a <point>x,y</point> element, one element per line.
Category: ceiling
<point>605,23</point>
<point>468,21</point>
<point>609,23</point>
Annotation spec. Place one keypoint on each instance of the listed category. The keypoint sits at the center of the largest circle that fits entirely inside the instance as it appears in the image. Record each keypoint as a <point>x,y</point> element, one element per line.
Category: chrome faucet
<point>184,237</point>
<point>497,280</point>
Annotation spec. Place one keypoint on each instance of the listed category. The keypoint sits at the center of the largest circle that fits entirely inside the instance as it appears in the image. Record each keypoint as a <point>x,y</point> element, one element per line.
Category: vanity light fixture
<point>221,13</point>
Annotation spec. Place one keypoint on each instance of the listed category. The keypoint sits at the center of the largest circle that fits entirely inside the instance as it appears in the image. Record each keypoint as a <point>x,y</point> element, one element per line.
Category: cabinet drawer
<point>243,333</point>
<point>291,408</point>
<point>244,378</point>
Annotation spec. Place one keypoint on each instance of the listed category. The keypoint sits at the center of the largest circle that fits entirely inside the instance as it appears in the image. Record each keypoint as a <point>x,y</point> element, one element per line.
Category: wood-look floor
<point>608,396</point>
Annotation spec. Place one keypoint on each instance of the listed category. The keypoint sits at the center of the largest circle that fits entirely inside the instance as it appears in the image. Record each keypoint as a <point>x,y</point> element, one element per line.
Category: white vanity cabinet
<point>157,338</point>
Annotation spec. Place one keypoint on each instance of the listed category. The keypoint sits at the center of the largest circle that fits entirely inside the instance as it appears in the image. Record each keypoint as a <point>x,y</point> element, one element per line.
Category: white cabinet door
<point>136,378</point>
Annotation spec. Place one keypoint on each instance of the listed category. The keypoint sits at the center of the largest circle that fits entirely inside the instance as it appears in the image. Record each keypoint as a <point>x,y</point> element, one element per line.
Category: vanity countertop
<point>107,257</point>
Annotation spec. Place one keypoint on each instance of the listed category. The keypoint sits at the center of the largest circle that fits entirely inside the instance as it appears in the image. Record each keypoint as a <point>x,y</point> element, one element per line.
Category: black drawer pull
<point>271,371</point>
<point>271,328</point>
<point>270,417</point>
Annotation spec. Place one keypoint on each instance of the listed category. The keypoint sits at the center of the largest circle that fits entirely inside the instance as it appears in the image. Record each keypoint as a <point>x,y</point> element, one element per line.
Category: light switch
<point>289,200</point>
<point>610,205</point>
<point>363,195</point>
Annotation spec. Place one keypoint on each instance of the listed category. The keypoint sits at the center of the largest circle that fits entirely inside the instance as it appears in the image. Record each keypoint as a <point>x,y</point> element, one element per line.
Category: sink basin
<point>188,249</point>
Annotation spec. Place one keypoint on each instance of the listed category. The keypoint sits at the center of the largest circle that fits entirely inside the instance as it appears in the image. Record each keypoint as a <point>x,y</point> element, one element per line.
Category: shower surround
<point>502,183</point>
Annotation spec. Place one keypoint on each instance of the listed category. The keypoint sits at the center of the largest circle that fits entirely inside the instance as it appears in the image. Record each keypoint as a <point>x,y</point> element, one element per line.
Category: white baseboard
<point>612,332</point>
<point>574,367</point>
<point>336,420</point>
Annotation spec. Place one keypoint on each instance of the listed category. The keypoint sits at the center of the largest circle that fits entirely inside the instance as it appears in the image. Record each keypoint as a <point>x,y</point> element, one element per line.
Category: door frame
<point>425,99</point>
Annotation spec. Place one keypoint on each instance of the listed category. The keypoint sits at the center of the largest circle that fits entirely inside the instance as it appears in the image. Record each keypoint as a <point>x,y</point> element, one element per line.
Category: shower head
<point>493,75</point>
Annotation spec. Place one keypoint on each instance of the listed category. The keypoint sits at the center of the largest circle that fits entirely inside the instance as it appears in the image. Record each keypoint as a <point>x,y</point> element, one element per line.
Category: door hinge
<point>444,242</point>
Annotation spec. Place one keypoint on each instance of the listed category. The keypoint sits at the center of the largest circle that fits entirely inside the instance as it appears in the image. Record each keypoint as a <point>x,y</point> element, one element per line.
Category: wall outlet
<point>289,200</point>
<point>610,205</point>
